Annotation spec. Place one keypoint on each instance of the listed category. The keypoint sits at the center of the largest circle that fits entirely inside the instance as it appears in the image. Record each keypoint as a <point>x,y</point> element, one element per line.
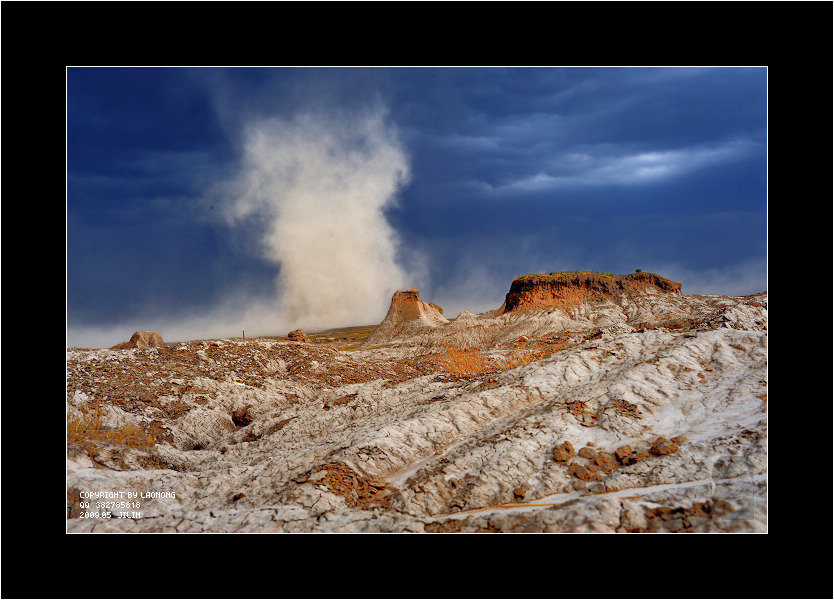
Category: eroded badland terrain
<point>585,403</point>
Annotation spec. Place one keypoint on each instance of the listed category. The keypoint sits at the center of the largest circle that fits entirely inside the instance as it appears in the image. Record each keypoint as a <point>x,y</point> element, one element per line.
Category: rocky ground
<point>638,409</point>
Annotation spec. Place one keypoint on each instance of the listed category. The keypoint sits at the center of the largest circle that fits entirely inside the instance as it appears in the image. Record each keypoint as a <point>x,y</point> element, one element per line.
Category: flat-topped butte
<point>561,289</point>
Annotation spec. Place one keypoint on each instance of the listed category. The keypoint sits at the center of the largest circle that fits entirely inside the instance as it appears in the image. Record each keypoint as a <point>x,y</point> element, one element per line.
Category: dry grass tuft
<point>563,273</point>
<point>130,435</point>
<point>520,357</point>
<point>84,424</point>
<point>84,427</point>
<point>464,360</point>
<point>469,360</point>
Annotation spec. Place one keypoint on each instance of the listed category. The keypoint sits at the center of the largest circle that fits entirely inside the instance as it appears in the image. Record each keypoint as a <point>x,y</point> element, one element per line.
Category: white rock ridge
<point>644,411</point>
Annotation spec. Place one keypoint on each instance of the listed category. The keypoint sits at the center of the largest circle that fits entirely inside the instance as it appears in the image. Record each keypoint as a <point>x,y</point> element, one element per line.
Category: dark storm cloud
<point>590,168</point>
<point>588,126</point>
<point>510,170</point>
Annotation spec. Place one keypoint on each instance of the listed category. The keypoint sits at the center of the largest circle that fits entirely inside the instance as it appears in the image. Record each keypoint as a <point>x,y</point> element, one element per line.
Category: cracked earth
<point>645,413</point>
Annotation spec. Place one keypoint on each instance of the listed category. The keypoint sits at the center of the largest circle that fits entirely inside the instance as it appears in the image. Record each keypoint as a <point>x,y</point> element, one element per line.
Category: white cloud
<point>582,169</point>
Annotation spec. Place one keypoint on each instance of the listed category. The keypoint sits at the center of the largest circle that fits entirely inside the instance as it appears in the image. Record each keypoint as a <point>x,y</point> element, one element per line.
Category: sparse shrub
<point>519,357</point>
<point>84,424</point>
<point>471,360</point>
<point>130,435</point>
<point>464,360</point>
<point>84,427</point>
<point>600,273</point>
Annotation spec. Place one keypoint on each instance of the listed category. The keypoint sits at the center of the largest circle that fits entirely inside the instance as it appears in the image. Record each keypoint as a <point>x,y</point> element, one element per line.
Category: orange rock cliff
<point>563,289</point>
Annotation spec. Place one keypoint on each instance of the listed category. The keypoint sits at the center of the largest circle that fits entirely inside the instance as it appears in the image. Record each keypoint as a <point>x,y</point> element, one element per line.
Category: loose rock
<point>563,452</point>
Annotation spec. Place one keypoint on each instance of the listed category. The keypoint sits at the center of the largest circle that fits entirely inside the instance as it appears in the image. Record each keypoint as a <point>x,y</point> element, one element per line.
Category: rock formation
<point>633,409</point>
<point>299,336</point>
<point>407,316</point>
<point>142,339</point>
<point>564,289</point>
<point>546,305</point>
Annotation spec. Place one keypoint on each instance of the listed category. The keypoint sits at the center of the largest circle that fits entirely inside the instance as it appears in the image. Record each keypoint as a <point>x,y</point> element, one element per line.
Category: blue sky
<point>206,202</point>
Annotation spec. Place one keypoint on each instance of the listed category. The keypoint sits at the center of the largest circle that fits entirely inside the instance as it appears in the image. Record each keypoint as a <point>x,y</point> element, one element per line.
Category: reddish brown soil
<point>563,289</point>
<point>406,304</point>
<point>358,491</point>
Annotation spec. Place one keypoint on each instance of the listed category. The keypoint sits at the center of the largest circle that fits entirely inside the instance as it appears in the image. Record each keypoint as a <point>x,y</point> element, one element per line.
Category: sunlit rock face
<point>560,290</point>
<point>605,405</point>
<point>407,316</point>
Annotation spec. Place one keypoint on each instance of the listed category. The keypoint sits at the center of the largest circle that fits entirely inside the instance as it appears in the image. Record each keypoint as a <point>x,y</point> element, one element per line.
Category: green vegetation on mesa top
<point>570,273</point>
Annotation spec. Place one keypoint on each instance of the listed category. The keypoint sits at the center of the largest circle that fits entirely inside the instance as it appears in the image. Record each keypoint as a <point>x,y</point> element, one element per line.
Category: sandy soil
<point>644,413</point>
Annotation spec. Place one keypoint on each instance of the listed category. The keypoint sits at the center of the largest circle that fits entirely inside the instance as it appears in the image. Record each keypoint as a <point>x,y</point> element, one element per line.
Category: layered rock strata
<point>565,289</point>
<point>643,412</point>
<point>407,316</point>
<point>142,339</point>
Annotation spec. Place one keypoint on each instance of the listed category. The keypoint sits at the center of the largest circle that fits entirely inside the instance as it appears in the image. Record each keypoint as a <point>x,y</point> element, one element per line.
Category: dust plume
<point>310,196</point>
